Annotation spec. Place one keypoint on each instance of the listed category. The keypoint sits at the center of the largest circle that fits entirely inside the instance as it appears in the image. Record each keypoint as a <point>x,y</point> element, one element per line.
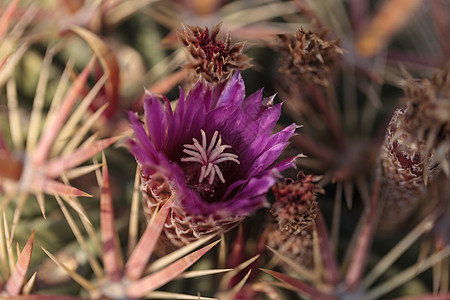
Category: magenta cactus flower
<point>214,154</point>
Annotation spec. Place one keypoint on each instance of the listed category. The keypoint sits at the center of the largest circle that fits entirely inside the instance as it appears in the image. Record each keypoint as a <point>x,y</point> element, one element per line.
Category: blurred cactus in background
<point>416,148</point>
<point>132,142</point>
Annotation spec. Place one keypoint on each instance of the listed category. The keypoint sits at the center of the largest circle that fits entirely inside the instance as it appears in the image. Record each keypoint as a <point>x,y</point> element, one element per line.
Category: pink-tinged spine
<point>326,248</point>
<point>111,247</point>
<point>151,282</point>
<point>55,125</point>
<point>17,278</point>
<point>7,15</point>
<point>139,257</point>
<point>358,263</point>
<point>58,165</point>
<point>304,288</point>
<point>109,63</point>
<point>51,187</point>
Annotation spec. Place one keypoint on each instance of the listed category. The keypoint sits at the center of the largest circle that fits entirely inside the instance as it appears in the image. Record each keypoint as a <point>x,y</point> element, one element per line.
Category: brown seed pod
<point>307,56</point>
<point>294,213</point>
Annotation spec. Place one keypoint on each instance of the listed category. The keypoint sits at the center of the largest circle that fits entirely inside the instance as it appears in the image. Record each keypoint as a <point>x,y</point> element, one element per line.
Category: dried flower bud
<point>295,212</point>
<point>416,147</point>
<point>213,60</point>
<point>307,56</point>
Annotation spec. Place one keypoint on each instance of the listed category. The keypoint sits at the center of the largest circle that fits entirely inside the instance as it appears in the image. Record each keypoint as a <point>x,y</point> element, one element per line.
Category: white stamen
<point>189,146</point>
<point>227,158</point>
<point>208,169</point>
<point>213,174</point>
<point>219,173</point>
<point>203,139</point>
<point>209,157</point>
<point>202,173</point>
<point>194,154</point>
<point>191,159</point>
<point>213,140</point>
<point>219,150</point>
<point>201,149</point>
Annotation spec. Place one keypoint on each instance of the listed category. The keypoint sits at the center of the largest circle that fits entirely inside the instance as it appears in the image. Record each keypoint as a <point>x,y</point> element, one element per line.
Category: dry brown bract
<point>307,56</point>
<point>213,60</point>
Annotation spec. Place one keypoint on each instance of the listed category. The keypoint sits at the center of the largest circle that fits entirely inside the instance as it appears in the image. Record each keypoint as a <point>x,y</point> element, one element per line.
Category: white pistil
<point>209,157</point>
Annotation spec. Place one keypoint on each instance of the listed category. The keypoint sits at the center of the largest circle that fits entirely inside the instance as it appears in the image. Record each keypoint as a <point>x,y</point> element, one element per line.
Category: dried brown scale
<point>179,228</point>
<point>155,192</point>
<point>417,143</point>
<point>213,60</point>
<point>307,56</point>
<point>295,212</point>
<point>298,247</point>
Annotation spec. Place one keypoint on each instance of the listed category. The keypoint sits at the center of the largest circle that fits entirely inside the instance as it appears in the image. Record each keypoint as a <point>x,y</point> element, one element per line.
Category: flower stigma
<point>210,157</point>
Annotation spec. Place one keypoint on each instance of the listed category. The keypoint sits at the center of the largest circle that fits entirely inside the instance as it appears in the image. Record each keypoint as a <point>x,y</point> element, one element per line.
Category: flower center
<point>208,44</point>
<point>209,156</point>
